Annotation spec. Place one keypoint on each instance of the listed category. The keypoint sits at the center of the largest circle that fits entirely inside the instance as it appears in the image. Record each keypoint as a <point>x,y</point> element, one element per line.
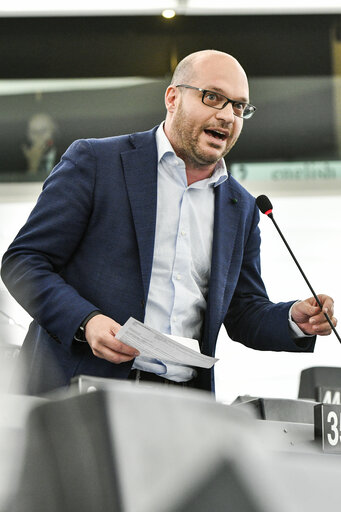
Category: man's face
<point>193,125</point>
<point>40,129</point>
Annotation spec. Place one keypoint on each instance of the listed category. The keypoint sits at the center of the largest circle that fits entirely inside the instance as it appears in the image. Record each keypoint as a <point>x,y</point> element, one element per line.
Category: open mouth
<point>216,134</point>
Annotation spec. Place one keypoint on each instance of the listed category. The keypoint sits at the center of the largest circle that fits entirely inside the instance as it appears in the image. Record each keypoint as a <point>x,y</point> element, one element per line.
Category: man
<point>150,225</point>
<point>40,152</point>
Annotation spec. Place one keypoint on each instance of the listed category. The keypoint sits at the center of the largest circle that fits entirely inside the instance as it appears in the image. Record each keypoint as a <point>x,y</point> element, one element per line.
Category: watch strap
<point>80,334</point>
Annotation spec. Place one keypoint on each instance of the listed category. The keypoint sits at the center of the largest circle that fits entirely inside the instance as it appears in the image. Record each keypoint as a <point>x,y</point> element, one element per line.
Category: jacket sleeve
<point>32,265</point>
<point>252,318</point>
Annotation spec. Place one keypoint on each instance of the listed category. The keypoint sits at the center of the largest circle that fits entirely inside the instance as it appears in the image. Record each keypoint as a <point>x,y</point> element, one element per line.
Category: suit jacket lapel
<point>226,220</point>
<point>140,169</point>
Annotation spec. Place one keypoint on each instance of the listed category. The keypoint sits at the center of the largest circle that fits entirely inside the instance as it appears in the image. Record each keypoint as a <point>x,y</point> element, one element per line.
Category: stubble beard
<point>188,145</point>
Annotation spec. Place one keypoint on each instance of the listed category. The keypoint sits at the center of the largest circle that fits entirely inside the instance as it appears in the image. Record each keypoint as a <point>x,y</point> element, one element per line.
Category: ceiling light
<point>168,13</point>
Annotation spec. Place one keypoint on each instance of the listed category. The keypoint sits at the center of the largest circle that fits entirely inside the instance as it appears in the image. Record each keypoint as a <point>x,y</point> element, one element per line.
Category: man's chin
<point>211,157</point>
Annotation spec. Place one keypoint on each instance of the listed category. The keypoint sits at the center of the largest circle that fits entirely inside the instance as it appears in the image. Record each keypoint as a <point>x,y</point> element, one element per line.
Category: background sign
<point>288,171</point>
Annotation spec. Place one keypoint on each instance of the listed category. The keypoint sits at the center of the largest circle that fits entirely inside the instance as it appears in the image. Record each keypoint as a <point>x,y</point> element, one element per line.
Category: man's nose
<point>226,114</point>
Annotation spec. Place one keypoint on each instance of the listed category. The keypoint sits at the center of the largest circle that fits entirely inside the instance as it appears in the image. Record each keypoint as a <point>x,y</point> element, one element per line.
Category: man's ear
<point>170,98</point>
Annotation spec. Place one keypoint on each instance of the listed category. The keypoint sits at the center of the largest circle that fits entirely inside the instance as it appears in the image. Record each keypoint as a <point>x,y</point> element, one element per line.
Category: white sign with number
<point>327,421</point>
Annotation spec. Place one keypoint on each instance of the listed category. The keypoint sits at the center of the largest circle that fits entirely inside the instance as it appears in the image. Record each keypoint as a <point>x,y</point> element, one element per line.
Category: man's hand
<point>309,317</point>
<point>100,333</point>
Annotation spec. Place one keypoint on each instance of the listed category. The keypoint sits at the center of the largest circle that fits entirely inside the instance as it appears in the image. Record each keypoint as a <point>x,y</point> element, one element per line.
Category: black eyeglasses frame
<point>228,100</point>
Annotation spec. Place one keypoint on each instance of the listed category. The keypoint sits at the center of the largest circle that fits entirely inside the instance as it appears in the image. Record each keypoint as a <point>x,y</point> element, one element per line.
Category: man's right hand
<point>100,332</point>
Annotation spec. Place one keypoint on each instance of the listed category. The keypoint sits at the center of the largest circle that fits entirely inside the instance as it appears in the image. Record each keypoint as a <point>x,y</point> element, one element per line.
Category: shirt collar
<point>165,150</point>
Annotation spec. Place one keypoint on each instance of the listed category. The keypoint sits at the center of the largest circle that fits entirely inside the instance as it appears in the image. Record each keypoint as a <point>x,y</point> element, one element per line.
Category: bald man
<point>151,225</point>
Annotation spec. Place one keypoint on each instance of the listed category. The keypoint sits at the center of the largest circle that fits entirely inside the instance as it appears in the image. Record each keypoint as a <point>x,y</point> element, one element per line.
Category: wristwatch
<point>80,334</point>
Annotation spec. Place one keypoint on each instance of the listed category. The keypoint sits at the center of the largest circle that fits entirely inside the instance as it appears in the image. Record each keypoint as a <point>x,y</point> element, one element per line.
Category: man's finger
<point>324,328</point>
<point>317,319</point>
<point>109,341</point>
<point>122,348</point>
<point>327,304</point>
<point>110,355</point>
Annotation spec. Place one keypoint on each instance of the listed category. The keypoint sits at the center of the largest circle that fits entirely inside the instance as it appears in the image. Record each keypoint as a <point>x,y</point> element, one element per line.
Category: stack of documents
<point>151,343</point>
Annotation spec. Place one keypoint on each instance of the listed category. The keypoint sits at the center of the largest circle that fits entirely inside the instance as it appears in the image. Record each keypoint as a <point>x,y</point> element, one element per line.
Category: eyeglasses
<point>219,101</point>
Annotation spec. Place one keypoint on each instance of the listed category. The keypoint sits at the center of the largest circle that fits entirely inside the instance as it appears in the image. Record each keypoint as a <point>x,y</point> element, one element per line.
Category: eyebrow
<point>217,89</point>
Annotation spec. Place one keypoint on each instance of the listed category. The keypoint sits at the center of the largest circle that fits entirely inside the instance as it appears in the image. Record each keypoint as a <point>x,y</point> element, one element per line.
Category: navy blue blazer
<point>88,244</point>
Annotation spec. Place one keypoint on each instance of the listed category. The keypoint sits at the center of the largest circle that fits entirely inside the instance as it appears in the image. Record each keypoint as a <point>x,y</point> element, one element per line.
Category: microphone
<point>265,206</point>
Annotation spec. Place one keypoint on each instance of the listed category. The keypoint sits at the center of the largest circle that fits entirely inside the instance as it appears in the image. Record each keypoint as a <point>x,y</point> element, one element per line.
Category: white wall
<point>16,202</point>
<point>312,226</point>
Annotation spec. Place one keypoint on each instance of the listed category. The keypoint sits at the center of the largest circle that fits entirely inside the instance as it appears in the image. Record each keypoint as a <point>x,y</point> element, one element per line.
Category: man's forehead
<point>219,68</point>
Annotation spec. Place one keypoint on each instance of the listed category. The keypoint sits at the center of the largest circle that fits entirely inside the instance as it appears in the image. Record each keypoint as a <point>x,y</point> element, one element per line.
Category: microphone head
<point>264,204</point>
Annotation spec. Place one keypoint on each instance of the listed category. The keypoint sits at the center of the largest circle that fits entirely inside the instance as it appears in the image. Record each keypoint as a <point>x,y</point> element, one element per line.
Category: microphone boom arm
<point>270,215</point>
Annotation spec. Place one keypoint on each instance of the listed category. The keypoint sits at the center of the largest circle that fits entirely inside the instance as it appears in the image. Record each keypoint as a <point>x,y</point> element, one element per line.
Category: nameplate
<point>328,395</point>
<point>327,423</point>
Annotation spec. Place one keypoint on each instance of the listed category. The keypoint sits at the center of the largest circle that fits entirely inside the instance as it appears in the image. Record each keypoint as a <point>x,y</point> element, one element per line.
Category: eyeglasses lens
<point>218,101</point>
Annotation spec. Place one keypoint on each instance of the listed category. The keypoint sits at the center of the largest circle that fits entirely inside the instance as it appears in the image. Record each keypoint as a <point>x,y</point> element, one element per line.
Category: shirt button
<point>183,233</point>
<point>174,318</point>
<point>178,276</point>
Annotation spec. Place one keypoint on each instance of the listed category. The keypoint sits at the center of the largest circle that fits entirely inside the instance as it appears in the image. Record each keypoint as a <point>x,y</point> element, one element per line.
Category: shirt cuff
<point>170,371</point>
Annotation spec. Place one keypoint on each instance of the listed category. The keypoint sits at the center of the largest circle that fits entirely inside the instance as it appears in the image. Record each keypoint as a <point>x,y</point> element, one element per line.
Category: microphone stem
<point>304,276</point>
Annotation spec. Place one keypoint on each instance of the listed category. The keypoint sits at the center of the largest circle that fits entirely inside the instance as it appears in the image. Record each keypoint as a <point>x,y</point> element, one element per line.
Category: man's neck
<point>195,174</point>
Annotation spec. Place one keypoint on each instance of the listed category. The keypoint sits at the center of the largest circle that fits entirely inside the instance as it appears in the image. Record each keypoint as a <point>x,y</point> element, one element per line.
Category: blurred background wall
<point>66,75</point>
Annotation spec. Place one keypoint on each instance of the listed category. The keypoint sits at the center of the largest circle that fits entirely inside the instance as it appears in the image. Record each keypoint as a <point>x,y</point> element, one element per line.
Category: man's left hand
<point>310,319</point>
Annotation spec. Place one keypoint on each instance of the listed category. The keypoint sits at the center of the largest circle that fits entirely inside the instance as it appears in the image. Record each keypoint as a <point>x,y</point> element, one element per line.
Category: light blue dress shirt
<point>182,253</point>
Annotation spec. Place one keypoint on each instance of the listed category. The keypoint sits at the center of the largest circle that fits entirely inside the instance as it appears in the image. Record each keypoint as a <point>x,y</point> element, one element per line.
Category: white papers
<point>151,343</point>
<point>187,342</point>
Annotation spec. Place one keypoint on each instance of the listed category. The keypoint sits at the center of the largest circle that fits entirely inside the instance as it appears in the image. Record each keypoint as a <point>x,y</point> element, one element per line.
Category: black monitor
<point>321,383</point>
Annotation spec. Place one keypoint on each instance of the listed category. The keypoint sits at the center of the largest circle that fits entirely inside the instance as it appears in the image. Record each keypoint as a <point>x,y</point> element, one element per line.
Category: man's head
<point>202,135</point>
<point>40,129</point>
